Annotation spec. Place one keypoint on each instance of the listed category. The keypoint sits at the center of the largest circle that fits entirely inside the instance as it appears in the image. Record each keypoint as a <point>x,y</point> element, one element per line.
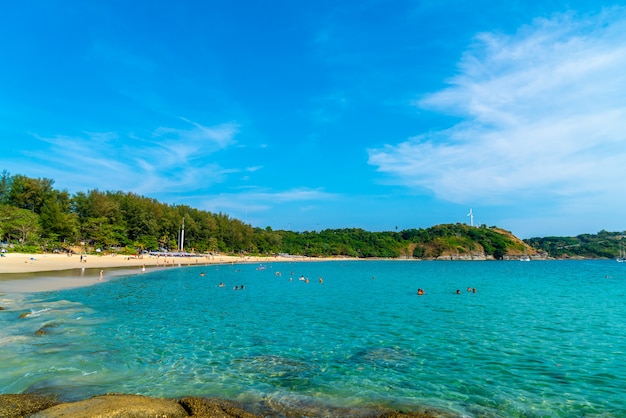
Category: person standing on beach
<point>101,273</point>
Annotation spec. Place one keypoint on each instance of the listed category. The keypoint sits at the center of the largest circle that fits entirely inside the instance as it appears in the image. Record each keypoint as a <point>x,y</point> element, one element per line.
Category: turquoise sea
<point>537,339</point>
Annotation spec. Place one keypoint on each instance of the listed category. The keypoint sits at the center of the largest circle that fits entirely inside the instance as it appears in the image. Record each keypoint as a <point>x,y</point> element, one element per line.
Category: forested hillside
<point>34,217</point>
<point>601,245</point>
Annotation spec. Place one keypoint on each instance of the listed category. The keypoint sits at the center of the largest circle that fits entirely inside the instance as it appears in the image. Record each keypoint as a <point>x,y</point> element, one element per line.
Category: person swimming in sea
<point>420,291</point>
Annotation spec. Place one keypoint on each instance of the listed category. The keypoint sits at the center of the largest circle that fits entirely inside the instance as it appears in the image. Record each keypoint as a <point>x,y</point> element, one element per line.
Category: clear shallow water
<point>537,339</point>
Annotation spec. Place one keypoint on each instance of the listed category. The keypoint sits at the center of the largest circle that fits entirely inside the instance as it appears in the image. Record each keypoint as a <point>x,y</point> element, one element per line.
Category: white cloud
<point>544,114</point>
<point>189,144</point>
<point>170,160</point>
<point>260,200</point>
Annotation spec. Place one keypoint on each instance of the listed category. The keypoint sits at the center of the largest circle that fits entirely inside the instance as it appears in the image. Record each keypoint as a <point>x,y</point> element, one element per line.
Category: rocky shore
<point>124,406</point>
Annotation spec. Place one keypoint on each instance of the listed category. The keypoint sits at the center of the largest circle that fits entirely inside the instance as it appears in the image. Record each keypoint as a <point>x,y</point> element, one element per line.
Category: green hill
<point>448,241</point>
<point>35,217</point>
<point>460,241</point>
<point>604,244</point>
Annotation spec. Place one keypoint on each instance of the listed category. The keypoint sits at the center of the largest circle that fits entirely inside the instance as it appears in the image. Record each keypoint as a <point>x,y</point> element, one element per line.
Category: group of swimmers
<point>302,278</point>
<point>421,291</point>
<point>278,274</point>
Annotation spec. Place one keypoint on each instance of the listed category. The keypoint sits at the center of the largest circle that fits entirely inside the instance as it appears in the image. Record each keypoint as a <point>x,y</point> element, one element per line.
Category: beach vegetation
<point>36,216</point>
<point>18,225</point>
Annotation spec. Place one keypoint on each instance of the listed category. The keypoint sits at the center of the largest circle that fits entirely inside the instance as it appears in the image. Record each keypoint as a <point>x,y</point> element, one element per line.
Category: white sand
<point>41,272</point>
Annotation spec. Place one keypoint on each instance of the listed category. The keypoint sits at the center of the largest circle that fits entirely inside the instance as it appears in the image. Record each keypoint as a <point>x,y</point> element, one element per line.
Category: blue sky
<point>308,115</point>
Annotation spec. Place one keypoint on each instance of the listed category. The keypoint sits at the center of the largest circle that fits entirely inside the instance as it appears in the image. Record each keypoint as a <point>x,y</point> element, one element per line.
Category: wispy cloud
<point>170,159</point>
<point>262,200</point>
<point>544,114</point>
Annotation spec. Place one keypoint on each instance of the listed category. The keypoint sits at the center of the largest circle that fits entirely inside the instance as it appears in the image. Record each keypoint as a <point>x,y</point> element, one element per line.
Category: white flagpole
<point>182,237</point>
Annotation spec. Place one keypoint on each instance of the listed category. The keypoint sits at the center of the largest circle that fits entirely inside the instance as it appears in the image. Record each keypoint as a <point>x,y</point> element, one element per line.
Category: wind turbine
<point>471,215</point>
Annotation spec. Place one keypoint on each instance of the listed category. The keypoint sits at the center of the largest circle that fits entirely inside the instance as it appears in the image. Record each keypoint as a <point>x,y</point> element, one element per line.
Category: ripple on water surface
<point>527,343</point>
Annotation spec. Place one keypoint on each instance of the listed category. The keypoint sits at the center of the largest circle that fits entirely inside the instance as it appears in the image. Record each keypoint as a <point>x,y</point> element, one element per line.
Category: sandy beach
<point>43,272</point>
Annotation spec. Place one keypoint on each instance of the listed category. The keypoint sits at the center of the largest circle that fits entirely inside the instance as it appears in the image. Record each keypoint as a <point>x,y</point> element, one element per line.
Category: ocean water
<point>538,339</point>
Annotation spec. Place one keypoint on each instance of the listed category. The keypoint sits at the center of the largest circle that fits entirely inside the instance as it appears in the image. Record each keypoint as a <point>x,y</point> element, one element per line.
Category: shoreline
<point>26,273</point>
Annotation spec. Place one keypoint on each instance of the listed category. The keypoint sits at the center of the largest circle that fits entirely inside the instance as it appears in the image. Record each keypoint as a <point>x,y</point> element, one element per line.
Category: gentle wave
<point>536,339</point>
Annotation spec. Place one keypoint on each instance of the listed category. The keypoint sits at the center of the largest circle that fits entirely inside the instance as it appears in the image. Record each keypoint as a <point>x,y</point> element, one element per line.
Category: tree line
<point>35,216</point>
<point>604,244</point>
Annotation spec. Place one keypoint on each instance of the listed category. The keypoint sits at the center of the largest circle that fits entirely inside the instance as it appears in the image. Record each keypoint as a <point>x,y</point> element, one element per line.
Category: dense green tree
<point>5,186</point>
<point>99,232</point>
<point>139,217</point>
<point>29,193</point>
<point>19,224</point>
<point>32,211</point>
<point>56,219</point>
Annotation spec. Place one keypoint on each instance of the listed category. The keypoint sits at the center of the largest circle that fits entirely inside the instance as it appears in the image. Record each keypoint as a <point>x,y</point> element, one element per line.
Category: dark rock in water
<point>42,331</point>
<point>201,407</point>
<point>276,366</point>
<point>387,357</point>
<point>24,314</point>
<point>65,391</point>
<point>17,406</point>
<point>399,414</point>
<point>1,308</point>
<point>45,329</point>
<point>295,407</point>
<point>114,406</point>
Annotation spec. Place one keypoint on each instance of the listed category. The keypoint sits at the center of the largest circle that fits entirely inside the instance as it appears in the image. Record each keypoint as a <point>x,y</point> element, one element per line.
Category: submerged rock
<point>399,414</point>
<point>388,357</point>
<point>294,406</point>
